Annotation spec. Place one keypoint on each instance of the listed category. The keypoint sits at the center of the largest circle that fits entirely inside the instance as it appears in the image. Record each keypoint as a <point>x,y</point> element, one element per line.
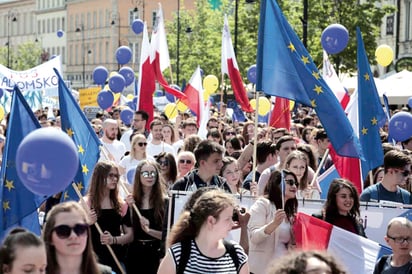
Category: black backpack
<point>185,254</point>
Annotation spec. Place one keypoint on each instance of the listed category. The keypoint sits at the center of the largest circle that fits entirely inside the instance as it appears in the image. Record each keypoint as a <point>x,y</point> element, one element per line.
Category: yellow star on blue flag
<point>75,123</point>
<point>285,69</point>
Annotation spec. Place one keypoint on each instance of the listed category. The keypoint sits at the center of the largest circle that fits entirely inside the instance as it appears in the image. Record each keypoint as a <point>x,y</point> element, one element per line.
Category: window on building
<point>390,19</point>
<point>154,19</point>
<point>133,15</point>
<point>408,23</point>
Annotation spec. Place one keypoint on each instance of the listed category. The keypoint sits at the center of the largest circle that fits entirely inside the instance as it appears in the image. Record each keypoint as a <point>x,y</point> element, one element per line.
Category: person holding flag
<point>271,221</point>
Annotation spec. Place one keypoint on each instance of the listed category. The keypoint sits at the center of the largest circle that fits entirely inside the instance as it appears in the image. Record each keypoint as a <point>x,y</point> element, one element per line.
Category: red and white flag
<point>160,55</point>
<point>146,85</point>
<point>230,67</point>
<point>194,91</point>
<point>332,79</point>
<point>356,253</point>
<point>348,168</point>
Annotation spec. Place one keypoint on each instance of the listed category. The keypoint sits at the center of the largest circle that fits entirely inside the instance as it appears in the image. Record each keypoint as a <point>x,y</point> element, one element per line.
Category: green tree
<point>25,57</point>
<point>203,46</point>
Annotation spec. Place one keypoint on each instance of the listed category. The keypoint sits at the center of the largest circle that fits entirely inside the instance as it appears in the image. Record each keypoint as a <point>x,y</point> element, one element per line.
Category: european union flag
<point>285,69</point>
<point>19,205</point>
<point>76,125</point>
<point>371,113</point>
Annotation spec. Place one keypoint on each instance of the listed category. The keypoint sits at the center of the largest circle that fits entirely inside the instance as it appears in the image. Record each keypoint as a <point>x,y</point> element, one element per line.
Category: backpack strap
<point>382,262</point>
<point>184,255</point>
<point>230,248</point>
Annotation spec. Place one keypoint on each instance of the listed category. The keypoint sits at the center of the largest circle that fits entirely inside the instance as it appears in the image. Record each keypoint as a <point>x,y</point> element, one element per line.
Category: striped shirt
<point>199,263</point>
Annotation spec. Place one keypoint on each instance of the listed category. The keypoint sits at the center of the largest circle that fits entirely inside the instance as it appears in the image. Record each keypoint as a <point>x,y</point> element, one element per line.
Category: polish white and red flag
<point>230,67</point>
<point>160,55</point>
<point>356,253</point>
<point>194,91</point>
<point>146,86</point>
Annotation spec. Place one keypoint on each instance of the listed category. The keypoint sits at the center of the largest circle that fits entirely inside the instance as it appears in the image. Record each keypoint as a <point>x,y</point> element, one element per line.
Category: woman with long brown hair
<point>149,196</point>
<point>108,209</point>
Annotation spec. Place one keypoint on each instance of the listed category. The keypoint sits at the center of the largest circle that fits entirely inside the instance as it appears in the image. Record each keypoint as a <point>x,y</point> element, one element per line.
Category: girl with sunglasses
<point>342,207</point>
<point>185,163</point>
<point>168,169</point>
<point>68,243</point>
<point>138,146</point>
<point>144,252</point>
<point>22,252</point>
<point>271,221</point>
<point>199,234</point>
<point>108,209</point>
<point>297,163</point>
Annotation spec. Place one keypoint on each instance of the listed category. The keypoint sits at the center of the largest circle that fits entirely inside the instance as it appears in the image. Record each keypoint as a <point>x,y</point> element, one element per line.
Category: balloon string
<point>96,224</point>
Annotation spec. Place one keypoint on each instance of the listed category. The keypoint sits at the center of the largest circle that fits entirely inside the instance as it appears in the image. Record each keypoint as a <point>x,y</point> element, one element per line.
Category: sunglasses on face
<point>142,144</point>
<point>163,162</point>
<point>184,161</point>
<point>291,182</point>
<point>113,175</point>
<point>149,174</point>
<point>64,231</point>
<point>230,133</point>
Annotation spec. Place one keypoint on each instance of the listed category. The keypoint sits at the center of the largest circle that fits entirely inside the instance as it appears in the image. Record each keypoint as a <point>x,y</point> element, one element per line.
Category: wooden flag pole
<point>134,205</point>
<point>255,136</point>
<point>322,162</point>
<point>96,224</point>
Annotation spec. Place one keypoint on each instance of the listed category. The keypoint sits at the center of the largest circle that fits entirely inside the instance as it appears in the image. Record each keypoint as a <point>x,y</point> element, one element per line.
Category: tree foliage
<point>26,56</point>
<point>203,46</point>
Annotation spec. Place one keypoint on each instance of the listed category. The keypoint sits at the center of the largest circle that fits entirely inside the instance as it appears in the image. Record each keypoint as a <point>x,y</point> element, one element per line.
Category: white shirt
<point>125,139</point>
<point>154,150</point>
<point>112,152</point>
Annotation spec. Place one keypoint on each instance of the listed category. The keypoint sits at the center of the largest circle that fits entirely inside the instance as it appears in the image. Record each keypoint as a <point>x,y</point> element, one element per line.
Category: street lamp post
<point>10,18</point>
<point>81,30</point>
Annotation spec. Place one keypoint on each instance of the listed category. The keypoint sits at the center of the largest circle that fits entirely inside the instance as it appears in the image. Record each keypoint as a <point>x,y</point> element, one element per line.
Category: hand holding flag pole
<point>322,162</point>
<point>99,229</point>
<point>255,138</point>
<point>121,183</point>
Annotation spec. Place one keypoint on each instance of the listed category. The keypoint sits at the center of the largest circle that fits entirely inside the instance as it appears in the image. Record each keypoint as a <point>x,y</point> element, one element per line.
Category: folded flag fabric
<point>357,254</point>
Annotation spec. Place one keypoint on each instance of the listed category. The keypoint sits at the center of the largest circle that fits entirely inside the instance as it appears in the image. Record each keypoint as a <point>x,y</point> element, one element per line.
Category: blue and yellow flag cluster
<point>285,69</point>
<point>19,205</point>
<point>371,113</point>
<point>76,125</point>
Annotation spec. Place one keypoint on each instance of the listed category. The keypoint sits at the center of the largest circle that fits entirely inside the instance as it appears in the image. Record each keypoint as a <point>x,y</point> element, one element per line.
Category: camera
<point>235,216</point>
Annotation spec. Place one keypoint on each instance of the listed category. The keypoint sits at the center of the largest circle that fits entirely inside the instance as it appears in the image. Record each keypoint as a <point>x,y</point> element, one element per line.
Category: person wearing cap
<point>322,143</point>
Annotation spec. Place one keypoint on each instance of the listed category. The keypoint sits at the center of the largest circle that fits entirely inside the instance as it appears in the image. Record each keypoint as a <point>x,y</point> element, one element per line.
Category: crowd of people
<point>122,224</point>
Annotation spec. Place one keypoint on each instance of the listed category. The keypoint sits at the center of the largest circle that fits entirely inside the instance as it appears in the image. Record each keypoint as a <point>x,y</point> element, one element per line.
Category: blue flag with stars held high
<point>76,125</point>
<point>371,113</point>
<point>285,69</point>
<point>19,205</point>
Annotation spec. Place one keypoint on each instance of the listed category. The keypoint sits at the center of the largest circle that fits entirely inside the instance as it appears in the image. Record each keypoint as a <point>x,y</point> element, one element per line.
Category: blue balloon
<point>47,161</point>
<point>202,73</point>
<point>123,55</point>
<point>174,86</point>
<point>251,74</point>
<point>1,92</point>
<point>334,38</point>
<point>117,83</point>
<point>60,33</point>
<point>170,97</point>
<point>126,115</point>
<point>105,99</point>
<point>137,26</point>
<point>400,126</point>
<point>128,75</point>
<point>409,102</point>
<point>131,105</point>
<point>130,175</point>
<point>100,75</point>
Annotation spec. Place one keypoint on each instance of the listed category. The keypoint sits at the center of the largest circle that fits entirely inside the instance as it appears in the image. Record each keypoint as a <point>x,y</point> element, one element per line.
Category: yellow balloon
<point>1,112</point>
<point>384,55</point>
<point>253,103</point>
<point>130,96</point>
<point>181,107</point>
<point>291,105</point>
<point>116,97</point>
<point>206,95</point>
<point>210,83</point>
<point>106,87</point>
<point>171,110</point>
<point>264,106</point>
<point>113,73</point>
